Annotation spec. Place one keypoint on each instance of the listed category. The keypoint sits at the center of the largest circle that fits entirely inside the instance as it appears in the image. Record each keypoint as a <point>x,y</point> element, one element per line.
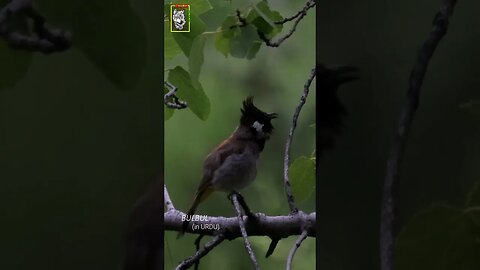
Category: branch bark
<point>294,249</point>
<point>241,224</point>
<point>271,226</point>
<point>46,40</point>
<point>187,263</point>
<point>390,188</point>
<point>288,145</point>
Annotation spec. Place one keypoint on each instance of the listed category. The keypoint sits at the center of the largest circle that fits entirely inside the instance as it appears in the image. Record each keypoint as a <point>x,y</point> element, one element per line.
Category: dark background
<point>442,157</point>
<point>77,150</point>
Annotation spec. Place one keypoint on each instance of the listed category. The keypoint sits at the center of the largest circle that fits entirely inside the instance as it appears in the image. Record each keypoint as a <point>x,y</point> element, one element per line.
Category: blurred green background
<point>275,78</point>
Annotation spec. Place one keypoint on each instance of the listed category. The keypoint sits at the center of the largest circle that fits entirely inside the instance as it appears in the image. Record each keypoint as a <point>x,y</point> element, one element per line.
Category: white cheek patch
<point>259,127</point>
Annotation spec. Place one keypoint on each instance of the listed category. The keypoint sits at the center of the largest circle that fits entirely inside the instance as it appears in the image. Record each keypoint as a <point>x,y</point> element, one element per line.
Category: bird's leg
<point>244,205</point>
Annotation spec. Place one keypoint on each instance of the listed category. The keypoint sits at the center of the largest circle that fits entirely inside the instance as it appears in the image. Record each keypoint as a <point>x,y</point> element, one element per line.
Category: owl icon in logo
<point>180,18</point>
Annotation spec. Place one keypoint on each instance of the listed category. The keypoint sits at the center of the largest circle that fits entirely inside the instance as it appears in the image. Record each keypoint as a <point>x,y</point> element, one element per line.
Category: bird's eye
<point>258,127</point>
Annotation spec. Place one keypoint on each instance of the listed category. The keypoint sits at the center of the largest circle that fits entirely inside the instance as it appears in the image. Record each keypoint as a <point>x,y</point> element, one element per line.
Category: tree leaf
<point>439,237</point>
<point>196,99</point>
<point>185,39</point>
<point>167,113</point>
<point>263,18</point>
<point>253,50</point>
<point>171,48</point>
<point>240,45</point>
<point>195,61</point>
<point>108,32</point>
<point>14,65</point>
<point>302,177</point>
<point>198,6</point>
<point>222,44</point>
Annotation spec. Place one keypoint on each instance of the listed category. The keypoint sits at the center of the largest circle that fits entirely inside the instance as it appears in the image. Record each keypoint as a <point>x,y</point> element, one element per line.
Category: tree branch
<point>271,247</point>
<point>294,249</point>
<point>271,226</point>
<point>45,40</point>
<point>168,201</point>
<point>390,188</point>
<point>197,246</point>
<point>299,16</point>
<point>171,100</point>
<point>201,253</point>
<point>236,204</point>
<point>288,145</point>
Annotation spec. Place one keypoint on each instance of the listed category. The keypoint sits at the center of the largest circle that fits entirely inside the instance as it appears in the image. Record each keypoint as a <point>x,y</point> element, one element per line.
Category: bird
<point>232,165</point>
<point>330,110</point>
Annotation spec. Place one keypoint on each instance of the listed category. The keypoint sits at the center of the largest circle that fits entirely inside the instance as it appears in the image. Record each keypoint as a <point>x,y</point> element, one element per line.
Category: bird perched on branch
<point>232,165</point>
<point>329,108</point>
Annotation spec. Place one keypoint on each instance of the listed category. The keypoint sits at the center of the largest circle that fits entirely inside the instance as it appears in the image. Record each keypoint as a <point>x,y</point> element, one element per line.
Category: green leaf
<point>167,112</point>
<point>185,39</point>
<point>439,237</point>
<point>109,33</point>
<point>195,61</point>
<point>197,6</point>
<point>14,65</point>
<point>253,50</point>
<point>263,18</point>
<point>240,45</point>
<point>196,99</point>
<point>302,177</point>
<point>222,44</point>
<point>171,48</point>
<point>215,17</point>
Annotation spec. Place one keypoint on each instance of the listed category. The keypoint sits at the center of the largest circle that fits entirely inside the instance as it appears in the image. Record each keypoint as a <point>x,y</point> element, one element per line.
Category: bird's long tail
<point>201,194</point>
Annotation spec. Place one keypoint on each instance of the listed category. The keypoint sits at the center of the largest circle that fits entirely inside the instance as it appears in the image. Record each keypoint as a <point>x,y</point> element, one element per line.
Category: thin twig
<point>244,205</point>
<point>187,263</point>
<point>294,249</point>
<point>288,145</point>
<point>390,188</point>
<point>236,205</point>
<point>310,4</point>
<point>272,246</point>
<point>44,39</point>
<point>172,94</point>
<point>168,201</point>
<point>197,246</point>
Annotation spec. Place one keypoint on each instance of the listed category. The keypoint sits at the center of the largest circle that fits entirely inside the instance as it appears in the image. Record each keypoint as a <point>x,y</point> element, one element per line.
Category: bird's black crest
<point>330,111</point>
<point>250,114</point>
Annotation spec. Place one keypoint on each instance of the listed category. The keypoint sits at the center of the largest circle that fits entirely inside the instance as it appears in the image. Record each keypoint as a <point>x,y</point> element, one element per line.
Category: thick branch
<point>390,189</point>
<point>271,226</point>
<point>286,161</point>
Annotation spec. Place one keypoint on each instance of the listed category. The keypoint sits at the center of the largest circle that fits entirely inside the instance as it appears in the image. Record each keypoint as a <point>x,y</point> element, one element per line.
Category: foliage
<point>113,39</point>
<point>442,237</point>
<point>236,35</point>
